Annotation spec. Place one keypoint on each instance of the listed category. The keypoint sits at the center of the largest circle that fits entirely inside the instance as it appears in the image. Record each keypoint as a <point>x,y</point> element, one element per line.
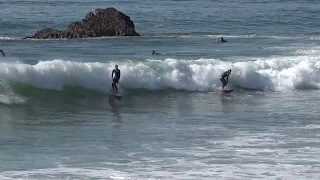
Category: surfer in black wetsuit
<point>223,76</point>
<point>222,40</point>
<point>154,53</point>
<point>2,53</point>
<point>115,78</point>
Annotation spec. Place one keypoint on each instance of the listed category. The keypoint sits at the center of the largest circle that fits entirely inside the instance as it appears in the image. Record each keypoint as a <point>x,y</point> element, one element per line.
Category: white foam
<point>12,99</point>
<point>245,36</point>
<point>8,38</point>
<point>252,36</point>
<point>315,38</point>
<point>65,173</point>
<point>241,155</point>
<point>272,74</point>
<point>315,51</point>
<point>312,126</point>
<point>8,97</point>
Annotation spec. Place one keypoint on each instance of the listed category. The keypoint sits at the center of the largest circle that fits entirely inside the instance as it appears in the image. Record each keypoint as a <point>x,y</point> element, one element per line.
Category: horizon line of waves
<point>271,74</point>
<point>255,36</point>
<point>233,36</point>
<point>179,35</point>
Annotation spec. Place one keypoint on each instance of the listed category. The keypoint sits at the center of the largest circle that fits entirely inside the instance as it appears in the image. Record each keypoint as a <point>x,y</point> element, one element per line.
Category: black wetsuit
<point>224,75</point>
<point>3,54</point>
<point>116,78</point>
<point>222,40</point>
<point>154,53</point>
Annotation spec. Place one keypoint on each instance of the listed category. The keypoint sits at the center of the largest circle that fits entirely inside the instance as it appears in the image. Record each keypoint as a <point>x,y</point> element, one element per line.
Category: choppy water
<point>57,120</point>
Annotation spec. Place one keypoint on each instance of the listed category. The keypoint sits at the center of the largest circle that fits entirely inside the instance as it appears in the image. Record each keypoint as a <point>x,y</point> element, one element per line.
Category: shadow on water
<point>113,102</point>
<point>227,101</point>
<point>232,102</point>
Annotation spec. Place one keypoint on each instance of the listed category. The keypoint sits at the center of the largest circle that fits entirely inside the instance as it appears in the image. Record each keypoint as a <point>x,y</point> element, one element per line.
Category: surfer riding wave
<point>115,78</point>
<point>223,76</point>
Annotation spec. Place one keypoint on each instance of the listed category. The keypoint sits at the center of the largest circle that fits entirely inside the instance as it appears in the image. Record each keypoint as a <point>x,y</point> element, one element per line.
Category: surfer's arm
<point>112,74</point>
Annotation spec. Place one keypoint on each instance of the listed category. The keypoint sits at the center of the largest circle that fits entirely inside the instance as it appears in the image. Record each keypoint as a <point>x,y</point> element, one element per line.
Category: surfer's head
<point>229,71</point>
<point>116,66</point>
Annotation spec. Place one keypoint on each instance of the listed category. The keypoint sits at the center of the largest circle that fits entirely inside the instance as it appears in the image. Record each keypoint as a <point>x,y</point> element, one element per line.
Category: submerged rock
<point>105,22</point>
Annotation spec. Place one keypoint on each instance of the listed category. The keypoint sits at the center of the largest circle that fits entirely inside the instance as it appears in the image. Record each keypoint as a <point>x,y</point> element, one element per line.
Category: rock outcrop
<point>105,22</point>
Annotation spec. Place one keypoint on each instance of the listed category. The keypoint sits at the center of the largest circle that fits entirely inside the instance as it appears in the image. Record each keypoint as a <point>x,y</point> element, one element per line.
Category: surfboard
<point>115,93</point>
<point>226,90</point>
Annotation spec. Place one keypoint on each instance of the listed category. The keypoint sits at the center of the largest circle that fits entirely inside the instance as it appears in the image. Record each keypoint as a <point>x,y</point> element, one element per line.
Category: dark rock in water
<point>105,22</point>
<point>47,34</point>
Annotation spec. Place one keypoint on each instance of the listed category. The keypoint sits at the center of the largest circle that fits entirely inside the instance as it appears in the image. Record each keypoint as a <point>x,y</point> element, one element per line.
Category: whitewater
<point>272,74</point>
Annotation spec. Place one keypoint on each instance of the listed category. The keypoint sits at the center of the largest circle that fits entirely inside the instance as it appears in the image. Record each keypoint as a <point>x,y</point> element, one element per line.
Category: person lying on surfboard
<point>154,53</point>
<point>222,40</point>
<point>116,78</point>
<point>223,76</point>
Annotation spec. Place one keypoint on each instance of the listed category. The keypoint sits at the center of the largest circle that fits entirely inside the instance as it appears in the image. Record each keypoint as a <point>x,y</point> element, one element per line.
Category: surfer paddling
<point>115,78</point>
<point>222,40</point>
<point>154,53</point>
<point>223,76</point>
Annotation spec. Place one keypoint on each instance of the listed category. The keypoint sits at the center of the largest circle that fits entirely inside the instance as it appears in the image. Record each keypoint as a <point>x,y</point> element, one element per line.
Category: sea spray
<point>8,96</point>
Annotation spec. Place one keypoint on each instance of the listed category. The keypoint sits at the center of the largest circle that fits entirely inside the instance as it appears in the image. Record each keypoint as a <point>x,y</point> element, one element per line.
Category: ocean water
<point>57,120</point>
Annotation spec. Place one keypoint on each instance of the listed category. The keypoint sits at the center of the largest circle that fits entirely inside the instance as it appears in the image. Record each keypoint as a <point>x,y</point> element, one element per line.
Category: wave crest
<point>273,74</point>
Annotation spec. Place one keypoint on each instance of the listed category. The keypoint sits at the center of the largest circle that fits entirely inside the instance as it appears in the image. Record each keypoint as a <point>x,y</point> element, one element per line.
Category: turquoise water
<point>57,120</point>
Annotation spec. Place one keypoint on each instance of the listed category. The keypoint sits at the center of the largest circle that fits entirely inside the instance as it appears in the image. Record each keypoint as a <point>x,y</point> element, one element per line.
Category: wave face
<point>272,74</point>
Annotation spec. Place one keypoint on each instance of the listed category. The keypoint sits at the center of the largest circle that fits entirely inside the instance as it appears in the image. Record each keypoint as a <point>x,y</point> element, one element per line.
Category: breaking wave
<point>272,74</point>
<point>2,37</point>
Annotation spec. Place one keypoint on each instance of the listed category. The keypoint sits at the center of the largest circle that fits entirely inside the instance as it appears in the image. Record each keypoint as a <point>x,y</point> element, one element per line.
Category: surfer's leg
<point>224,85</point>
<point>113,83</point>
<point>224,82</point>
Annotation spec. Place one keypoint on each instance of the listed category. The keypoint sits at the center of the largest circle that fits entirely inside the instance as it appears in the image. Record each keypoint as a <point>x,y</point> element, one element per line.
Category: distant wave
<point>233,36</point>
<point>186,36</point>
<point>9,38</point>
<point>311,52</point>
<point>255,36</point>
